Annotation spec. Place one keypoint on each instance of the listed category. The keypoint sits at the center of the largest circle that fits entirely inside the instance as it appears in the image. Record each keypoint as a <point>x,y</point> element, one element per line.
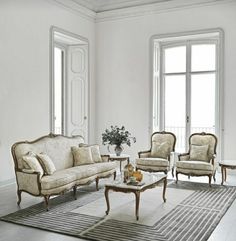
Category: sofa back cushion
<point>57,147</point>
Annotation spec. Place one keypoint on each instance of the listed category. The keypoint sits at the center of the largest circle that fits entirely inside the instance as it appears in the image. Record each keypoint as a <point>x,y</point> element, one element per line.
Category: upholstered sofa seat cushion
<point>160,162</point>
<point>194,165</point>
<point>70,175</point>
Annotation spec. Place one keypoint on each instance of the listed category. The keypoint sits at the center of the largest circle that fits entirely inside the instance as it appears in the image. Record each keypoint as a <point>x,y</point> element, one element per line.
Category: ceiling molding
<point>156,8</point>
<point>75,8</point>
<point>123,9</point>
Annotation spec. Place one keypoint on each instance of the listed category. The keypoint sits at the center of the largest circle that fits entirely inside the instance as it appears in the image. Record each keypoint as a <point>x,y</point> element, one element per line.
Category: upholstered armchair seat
<point>195,165</point>
<point>151,161</point>
<point>200,159</point>
<point>157,159</point>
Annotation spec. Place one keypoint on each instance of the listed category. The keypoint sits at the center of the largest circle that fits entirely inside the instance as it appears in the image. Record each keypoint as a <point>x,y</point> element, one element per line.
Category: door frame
<point>156,116</point>
<point>52,44</point>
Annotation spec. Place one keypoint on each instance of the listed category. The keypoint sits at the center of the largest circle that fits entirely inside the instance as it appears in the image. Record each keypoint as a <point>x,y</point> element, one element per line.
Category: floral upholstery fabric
<point>160,150</point>
<point>82,155</point>
<point>201,140</point>
<point>152,162</point>
<point>194,165</point>
<point>46,163</point>
<point>199,153</point>
<point>64,177</point>
<point>31,162</point>
<point>58,148</point>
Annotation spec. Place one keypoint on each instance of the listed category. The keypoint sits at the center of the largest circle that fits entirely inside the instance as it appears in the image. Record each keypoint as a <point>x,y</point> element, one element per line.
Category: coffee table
<point>149,180</point>
<point>224,164</point>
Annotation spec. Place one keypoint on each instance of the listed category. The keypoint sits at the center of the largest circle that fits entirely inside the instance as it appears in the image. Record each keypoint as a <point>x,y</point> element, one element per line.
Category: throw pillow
<point>47,163</point>
<point>82,155</point>
<point>96,153</point>
<point>160,150</point>
<point>199,152</point>
<point>31,162</point>
<point>96,156</point>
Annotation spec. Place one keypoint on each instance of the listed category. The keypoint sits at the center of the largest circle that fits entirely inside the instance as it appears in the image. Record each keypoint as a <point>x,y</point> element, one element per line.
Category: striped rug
<point>193,219</point>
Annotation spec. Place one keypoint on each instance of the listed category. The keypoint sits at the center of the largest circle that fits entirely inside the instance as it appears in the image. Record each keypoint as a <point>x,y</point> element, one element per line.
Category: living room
<point>120,37</point>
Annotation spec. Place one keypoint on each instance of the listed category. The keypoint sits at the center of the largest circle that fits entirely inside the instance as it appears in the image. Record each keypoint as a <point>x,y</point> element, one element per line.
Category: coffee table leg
<point>164,189</point>
<point>107,200</point>
<point>222,175</point>
<point>120,166</point>
<point>137,197</point>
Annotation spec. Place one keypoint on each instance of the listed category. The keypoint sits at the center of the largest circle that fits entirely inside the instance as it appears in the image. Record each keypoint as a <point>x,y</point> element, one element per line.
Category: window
<point>186,86</point>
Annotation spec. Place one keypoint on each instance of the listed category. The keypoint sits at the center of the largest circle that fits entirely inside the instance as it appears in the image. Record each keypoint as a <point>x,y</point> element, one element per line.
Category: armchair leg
<point>176,175</point>
<point>74,192</point>
<point>114,175</point>
<point>97,180</point>
<point>210,176</point>
<point>19,197</point>
<point>46,199</point>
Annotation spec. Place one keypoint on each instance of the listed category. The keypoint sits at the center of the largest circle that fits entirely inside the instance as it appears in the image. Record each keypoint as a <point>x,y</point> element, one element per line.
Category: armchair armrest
<point>144,153</point>
<point>183,156</point>
<point>29,181</point>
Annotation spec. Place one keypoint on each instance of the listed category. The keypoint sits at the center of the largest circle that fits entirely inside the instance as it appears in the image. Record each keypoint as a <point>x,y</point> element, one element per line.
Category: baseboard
<point>7,182</point>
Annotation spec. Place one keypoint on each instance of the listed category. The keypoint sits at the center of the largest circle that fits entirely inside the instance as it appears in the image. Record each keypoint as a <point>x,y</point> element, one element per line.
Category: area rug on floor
<point>192,212</point>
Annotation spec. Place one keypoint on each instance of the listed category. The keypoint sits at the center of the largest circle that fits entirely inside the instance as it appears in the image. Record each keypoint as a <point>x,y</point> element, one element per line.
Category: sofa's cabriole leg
<point>97,180</point>
<point>19,197</point>
<point>74,191</point>
<point>115,175</point>
<point>46,199</point>
<point>176,175</point>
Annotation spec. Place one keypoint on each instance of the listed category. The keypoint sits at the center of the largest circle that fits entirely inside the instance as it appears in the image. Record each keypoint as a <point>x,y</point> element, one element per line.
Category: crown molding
<point>75,8</point>
<point>128,12</point>
<point>156,8</point>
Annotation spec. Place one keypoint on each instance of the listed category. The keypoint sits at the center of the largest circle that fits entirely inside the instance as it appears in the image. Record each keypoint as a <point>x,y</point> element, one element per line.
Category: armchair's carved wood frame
<point>212,160</point>
<point>37,174</point>
<point>147,152</point>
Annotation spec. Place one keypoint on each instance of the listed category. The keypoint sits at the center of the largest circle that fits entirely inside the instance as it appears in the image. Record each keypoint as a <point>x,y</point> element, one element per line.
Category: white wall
<point>123,68</point>
<point>24,70</point>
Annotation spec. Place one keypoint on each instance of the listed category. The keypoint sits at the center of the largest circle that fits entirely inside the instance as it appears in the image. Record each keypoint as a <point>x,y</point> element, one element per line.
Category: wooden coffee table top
<point>148,180</point>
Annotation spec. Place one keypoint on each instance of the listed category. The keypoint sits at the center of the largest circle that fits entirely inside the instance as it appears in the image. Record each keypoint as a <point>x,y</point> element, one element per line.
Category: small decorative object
<point>117,136</point>
<point>128,172</point>
<point>138,175</point>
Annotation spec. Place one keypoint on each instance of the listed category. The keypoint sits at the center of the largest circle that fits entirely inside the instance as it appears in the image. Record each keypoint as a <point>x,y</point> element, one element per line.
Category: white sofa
<point>66,177</point>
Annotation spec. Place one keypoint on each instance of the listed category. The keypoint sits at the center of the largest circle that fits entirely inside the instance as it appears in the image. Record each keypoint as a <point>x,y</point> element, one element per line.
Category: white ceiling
<point>106,5</point>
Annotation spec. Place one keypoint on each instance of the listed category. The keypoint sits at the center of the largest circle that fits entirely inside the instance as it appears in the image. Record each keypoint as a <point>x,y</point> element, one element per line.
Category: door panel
<point>77,91</point>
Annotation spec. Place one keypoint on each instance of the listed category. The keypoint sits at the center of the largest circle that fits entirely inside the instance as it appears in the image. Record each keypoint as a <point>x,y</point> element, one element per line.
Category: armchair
<point>157,159</point>
<point>200,159</point>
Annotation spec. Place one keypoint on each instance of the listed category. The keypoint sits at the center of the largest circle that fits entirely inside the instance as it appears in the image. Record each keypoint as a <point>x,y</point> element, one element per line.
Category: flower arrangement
<point>117,136</point>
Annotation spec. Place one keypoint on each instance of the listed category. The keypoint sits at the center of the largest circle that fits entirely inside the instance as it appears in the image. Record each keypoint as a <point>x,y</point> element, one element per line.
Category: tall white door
<point>77,91</point>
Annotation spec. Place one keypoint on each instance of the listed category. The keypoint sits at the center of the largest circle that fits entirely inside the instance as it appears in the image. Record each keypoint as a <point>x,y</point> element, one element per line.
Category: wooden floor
<point>225,231</point>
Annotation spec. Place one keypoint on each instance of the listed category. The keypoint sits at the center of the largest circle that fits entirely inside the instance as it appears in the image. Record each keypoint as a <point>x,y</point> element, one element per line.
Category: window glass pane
<point>175,111</point>
<point>203,103</point>
<point>175,60</point>
<point>203,57</point>
<point>58,55</point>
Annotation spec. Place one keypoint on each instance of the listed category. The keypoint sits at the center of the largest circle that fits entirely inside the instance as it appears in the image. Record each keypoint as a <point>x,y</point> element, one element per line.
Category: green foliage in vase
<point>117,136</point>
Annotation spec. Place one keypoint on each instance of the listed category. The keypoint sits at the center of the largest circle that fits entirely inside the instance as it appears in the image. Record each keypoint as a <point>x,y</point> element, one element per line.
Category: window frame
<point>158,42</point>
